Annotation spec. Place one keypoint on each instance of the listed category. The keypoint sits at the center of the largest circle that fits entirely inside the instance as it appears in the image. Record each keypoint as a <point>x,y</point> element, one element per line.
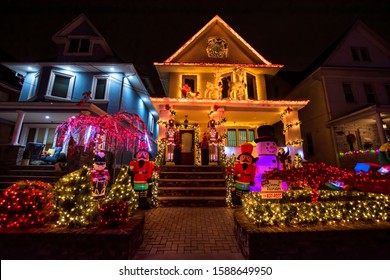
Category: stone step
<point>191,201</point>
<point>192,183</point>
<point>194,191</point>
<point>43,172</point>
<point>192,168</point>
<point>190,174</point>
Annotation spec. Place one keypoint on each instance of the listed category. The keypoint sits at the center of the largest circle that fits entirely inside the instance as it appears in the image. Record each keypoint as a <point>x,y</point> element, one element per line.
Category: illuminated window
<point>237,137</point>
<point>226,80</point>
<point>60,85</point>
<point>191,81</point>
<point>251,86</point>
<point>100,87</point>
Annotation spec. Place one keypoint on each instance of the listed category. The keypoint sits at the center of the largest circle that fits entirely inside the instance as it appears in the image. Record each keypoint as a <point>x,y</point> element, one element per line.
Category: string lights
<point>333,207</point>
<point>26,204</point>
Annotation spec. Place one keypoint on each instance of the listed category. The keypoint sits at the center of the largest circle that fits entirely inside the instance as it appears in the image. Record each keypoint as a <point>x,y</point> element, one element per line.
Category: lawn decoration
<point>171,132</point>
<point>141,170</point>
<point>213,142</point>
<point>99,176</point>
<point>266,147</point>
<point>26,204</point>
<point>244,173</point>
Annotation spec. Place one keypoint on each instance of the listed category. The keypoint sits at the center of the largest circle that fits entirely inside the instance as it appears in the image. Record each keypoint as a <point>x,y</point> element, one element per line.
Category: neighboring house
<point>349,91</point>
<point>10,86</point>
<point>55,91</point>
<point>218,75</point>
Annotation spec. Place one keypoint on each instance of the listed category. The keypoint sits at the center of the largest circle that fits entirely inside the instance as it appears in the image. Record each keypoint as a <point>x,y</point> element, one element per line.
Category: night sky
<point>292,33</point>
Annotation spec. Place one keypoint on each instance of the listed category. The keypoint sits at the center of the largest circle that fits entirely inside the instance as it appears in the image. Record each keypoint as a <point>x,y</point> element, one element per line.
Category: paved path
<point>189,233</point>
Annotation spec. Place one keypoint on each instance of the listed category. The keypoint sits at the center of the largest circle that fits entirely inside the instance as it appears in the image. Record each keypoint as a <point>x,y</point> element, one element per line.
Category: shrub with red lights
<point>113,214</point>
<point>315,175</point>
<point>26,204</point>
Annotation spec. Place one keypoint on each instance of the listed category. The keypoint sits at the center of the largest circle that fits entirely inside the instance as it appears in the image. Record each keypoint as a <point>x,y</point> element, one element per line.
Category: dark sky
<point>292,33</point>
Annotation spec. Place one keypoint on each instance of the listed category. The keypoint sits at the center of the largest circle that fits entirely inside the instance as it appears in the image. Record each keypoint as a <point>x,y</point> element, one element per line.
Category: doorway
<point>187,147</point>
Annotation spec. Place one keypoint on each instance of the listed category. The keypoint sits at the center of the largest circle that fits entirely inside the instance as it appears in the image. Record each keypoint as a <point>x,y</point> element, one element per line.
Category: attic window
<point>360,54</point>
<point>79,45</point>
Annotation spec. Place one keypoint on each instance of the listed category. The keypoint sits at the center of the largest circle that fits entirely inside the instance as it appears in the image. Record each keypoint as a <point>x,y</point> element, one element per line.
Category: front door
<point>187,147</point>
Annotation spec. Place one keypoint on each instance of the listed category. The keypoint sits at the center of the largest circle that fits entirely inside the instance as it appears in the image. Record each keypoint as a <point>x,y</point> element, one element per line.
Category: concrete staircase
<point>15,173</point>
<point>189,185</point>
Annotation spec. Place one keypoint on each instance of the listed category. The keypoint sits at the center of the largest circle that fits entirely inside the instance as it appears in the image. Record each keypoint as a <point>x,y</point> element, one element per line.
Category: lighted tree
<point>74,204</point>
<point>123,191</point>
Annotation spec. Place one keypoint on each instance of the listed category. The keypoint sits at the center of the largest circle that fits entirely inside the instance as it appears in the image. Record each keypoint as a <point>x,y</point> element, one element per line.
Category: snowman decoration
<point>267,150</point>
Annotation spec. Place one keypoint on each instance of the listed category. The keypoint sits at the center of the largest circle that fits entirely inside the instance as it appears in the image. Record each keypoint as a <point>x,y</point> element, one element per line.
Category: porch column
<point>18,127</point>
<point>292,132</point>
<point>379,125</point>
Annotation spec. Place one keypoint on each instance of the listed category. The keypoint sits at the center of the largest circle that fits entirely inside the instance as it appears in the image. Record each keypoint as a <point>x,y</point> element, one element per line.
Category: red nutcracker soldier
<point>244,173</point>
<point>213,142</point>
<point>141,170</point>
<point>171,131</point>
<point>99,176</point>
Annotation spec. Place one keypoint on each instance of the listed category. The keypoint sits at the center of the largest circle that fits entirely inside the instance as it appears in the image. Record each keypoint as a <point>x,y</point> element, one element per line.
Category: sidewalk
<point>189,233</point>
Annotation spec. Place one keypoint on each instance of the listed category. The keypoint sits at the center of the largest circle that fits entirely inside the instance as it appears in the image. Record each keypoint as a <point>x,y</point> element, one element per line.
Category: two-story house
<point>56,90</point>
<point>349,91</point>
<point>217,75</point>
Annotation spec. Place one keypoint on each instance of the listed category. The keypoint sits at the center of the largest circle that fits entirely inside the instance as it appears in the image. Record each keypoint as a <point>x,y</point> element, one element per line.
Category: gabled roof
<point>216,26</point>
<point>82,26</point>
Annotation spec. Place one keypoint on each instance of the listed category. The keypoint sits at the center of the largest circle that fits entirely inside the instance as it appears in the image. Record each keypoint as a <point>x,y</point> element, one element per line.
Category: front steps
<point>16,173</point>
<point>189,185</point>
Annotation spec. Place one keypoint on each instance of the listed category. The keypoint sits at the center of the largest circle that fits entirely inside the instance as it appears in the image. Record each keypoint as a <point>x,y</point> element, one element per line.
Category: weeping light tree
<point>102,133</point>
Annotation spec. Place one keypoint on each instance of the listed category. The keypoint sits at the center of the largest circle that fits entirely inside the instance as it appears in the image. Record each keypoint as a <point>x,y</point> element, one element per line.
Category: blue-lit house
<point>54,91</point>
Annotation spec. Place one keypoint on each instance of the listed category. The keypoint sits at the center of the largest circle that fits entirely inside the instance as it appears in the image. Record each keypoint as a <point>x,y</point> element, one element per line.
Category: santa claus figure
<point>171,131</point>
<point>244,173</point>
<point>213,142</point>
<point>141,172</point>
<point>99,176</point>
<point>267,151</point>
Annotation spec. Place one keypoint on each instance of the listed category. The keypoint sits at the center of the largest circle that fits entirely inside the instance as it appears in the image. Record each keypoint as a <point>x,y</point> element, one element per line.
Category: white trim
<point>78,53</point>
<point>35,81</point>
<point>94,84</point>
<point>53,75</point>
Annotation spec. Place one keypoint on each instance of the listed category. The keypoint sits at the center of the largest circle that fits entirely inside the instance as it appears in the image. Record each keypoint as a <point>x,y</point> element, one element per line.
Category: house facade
<point>84,78</point>
<point>349,91</point>
<point>217,76</point>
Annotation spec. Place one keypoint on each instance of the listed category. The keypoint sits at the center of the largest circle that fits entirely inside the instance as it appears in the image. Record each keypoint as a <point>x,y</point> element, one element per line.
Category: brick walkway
<point>189,233</point>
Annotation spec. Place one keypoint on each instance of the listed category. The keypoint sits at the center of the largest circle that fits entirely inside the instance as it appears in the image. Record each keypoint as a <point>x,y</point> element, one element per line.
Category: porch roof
<point>236,112</point>
<point>45,112</point>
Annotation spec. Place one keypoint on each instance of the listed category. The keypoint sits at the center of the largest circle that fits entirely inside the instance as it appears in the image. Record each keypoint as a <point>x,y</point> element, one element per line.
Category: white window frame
<point>51,84</point>
<point>78,53</point>
<point>34,85</point>
<point>94,84</point>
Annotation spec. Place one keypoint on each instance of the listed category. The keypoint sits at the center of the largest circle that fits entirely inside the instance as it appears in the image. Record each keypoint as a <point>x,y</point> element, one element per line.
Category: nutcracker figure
<point>141,171</point>
<point>213,142</point>
<point>244,173</point>
<point>99,176</point>
<point>171,131</point>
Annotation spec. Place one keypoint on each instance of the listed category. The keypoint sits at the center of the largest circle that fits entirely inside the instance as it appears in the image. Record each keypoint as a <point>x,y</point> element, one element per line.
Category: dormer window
<point>79,45</point>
